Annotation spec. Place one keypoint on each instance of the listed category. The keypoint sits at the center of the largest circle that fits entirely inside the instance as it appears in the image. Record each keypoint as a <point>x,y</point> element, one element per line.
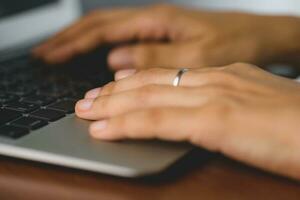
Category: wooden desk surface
<point>216,178</point>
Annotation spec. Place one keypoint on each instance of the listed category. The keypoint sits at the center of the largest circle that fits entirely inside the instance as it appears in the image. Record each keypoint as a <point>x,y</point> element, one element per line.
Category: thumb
<point>143,56</point>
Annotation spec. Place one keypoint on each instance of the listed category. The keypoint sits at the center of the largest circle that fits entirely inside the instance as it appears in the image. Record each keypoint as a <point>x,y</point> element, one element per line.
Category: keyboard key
<point>56,92</point>
<point>48,114</point>
<point>77,95</point>
<point>13,132</point>
<point>30,123</point>
<point>21,107</point>
<point>20,91</point>
<point>7,81</point>
<point>66,106</point>
<point>6,98</point>
<point>38,99</point>
<point>8,115</point>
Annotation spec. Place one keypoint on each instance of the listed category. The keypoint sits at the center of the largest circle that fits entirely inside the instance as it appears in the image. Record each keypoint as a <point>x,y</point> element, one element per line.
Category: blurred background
<point>291,7</point>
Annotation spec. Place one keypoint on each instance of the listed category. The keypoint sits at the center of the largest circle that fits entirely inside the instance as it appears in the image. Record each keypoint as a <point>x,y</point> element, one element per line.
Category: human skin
<point>166,35</point>
<point>238,110</point>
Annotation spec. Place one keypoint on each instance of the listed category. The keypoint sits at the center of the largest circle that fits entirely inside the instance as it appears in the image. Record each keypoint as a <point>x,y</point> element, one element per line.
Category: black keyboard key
<point>13,132</point>
<point>6,98</point>
<point>7,81</point>
<point>8,115</point>
<point>30,123</point>
<point>66,106</point>
<point>56,92</point>
<point>20,91</point>
<point>38,99</point>
<point>21,107</point>
<point>77,95</point>
<point>48,114</point>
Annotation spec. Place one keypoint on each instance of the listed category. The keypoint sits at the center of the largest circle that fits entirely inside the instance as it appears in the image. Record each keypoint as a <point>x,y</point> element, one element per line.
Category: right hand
<point>238,110</point>
<point>174,37</point>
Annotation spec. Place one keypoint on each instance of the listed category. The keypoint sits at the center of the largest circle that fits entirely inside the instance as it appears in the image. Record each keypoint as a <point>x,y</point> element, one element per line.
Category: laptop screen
<point>23,22</point>
<point>10,7</point>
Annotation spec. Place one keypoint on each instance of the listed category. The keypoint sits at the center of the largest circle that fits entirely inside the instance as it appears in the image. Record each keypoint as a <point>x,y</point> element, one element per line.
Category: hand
<point>173,36</point>
<point>238,110</point>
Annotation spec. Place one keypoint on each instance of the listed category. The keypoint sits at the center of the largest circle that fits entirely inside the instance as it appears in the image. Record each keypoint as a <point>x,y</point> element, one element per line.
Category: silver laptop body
<point>66,142</point>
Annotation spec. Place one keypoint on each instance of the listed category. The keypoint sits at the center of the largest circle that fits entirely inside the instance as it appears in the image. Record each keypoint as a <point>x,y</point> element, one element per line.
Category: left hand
<point>238,110</point>
<point>167,35</point>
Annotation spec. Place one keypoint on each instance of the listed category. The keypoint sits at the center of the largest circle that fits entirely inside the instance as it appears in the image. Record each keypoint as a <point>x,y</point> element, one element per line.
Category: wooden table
<point>213,178</point>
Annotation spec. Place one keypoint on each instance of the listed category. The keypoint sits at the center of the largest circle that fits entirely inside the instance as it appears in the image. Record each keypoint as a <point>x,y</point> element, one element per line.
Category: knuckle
<point>105,104</point>
<point>145,93</point>
<point>240,65</point>
<point>146,76</point>
<point>100,102</point>
<point>154,72</point>
<point>221,75</point>
<point>218,90</point>
<point>108,88</point>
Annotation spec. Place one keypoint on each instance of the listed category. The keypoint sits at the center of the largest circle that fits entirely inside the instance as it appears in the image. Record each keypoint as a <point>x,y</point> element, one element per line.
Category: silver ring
<point>177,79</point>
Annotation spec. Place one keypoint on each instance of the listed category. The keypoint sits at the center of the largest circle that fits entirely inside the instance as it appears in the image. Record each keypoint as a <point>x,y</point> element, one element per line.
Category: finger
<point>146,55</point>
<point>171,123</point>
<point>83,42</point>
<point>127,28</point>
<point>121,74</point>
<point>192,78</point>
<point>160,76</point>
<point>145,97</point>
<point>84,24</point>
<point>92,94</point>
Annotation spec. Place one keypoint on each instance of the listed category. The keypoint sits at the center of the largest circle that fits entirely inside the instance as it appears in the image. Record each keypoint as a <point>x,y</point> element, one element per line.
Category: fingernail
<point>92,93</point>
<point>121,58</point>
<point>85,104</point>
<point>97,127</point>
<point>124,73</point>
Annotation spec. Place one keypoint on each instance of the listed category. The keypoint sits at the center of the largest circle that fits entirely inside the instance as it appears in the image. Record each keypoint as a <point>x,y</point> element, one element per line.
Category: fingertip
<point>98,130</point>
<point>57,56</point>
<point>83,106</point>
<point>94,93</point>
<point>121,59</point>
<point>121,74</point>
<point>77,110</point>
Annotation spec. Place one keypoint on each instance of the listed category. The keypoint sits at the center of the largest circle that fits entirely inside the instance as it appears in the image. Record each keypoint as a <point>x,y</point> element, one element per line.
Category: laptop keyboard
<point>31,98</point>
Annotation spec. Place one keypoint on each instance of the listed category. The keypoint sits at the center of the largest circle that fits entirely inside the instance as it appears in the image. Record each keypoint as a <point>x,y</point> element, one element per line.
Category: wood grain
<point>216,178</point>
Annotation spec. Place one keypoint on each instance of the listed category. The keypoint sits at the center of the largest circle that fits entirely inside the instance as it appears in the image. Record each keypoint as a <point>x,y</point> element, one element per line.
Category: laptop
<point>37,120</point>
